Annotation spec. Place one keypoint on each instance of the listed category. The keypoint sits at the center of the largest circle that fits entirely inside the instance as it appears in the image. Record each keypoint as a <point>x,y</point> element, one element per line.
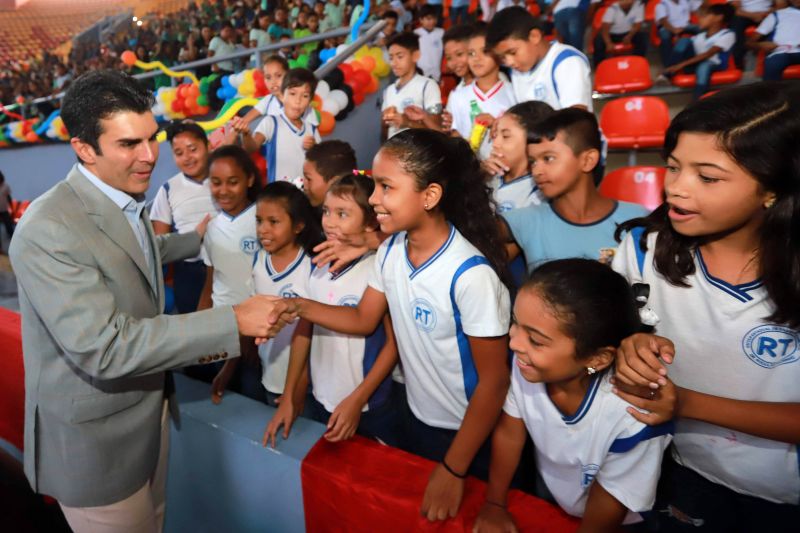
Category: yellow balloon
<point>220,120</point>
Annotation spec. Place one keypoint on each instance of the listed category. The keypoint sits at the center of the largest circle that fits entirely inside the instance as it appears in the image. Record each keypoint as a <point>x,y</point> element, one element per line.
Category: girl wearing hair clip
<point>721,258</point>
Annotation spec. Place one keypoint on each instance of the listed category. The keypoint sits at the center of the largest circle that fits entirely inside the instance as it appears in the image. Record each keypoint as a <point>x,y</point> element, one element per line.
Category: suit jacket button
<point>216,357</point>
<point>224,355</point>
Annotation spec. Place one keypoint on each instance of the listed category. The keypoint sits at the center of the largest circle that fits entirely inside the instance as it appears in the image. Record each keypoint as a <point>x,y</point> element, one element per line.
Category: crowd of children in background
<point>480,230</point>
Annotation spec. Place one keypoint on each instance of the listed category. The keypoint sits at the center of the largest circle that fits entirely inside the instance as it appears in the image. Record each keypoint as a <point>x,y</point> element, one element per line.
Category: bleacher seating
<point>641,185</point>
<point>635,122</point>
<point>623,74</point>
<point>722,77</point>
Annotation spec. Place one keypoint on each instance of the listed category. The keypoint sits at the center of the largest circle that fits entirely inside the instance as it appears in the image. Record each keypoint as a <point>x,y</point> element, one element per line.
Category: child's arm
<point>605,33</point>
<point>288,409</point>
<point>340,253</point>
<point>361,320</point>
<point>205,295</point>
<point>692,60</point>
<point>345,418</point>
<point>416,117</point>
<point>603,512</point>
<point>221,380</point>
<point>249,141</point>
<point>508,441</point>
<point>639,371</point>
<point>251,115</point>
<point>631,34</point>
<point>444,491</point>
<point>512,248</point>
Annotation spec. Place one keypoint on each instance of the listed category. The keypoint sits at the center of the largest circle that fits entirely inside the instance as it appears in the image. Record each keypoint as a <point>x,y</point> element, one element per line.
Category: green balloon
<point>302,61</point>
<point>202,100</point>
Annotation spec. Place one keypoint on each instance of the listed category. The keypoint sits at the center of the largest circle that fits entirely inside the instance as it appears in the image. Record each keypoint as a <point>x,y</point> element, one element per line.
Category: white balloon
<point>236,79</point>
<point>340,97</point>
<point>330,105</point>
<point>323,89</point>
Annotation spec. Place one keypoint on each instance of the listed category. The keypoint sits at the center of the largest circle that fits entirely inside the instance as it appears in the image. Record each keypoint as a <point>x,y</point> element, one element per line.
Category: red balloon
<point>358,97</point>
<point>128,57</point>
<point>346,69</point>
<point>177,105</point>
<point>362,78</point>
<point>353,85</point>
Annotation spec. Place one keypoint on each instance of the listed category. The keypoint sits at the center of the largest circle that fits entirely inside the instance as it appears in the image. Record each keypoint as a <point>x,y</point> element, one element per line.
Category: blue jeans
<point>739,25</point>
<point>684,49</point>
<point>570,26</point>
<point>775,65</point>
<point>459,15</point>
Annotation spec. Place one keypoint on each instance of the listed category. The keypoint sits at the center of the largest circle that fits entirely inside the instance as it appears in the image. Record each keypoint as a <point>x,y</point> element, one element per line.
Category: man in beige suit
<point>96,346</point>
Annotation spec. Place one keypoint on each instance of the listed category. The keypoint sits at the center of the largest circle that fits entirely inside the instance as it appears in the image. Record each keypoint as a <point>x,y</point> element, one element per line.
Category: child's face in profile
<point>402,60</point>
<point>542,351</point>
<point>296,101</point>
<point>342,217</point>
<point>455,55</point>
<point>510,140</point>
<point>554,166</point>
<point>428,22</point>
<point>480,63</point>
<point>314,184</point>
<point>273,77</point>
<point>519,54</point>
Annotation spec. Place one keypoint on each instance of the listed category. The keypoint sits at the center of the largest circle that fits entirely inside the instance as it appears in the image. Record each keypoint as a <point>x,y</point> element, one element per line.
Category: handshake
<point>264,316</point>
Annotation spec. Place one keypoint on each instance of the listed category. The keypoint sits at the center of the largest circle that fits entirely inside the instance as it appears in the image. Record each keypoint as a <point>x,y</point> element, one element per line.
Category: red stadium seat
<point>792,72</point>
<point>597,23</point>
<point>635,122</point>
<point>723,77</point>
<point>640,185</point>
<point>623,74</point>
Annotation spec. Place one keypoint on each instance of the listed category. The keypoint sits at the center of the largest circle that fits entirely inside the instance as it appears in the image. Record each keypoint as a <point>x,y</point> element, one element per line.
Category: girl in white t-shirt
<point>287,230</point>
<point>598,462</point>
<point>720,260</point>
<point>350,374</point>
<point>230,242</point>
<point>439,274</point>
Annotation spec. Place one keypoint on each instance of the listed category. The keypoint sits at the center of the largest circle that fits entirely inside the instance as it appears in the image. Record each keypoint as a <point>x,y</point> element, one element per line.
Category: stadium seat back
<point>635,122</point>
<point>623,74</point>
<point>640,185</point>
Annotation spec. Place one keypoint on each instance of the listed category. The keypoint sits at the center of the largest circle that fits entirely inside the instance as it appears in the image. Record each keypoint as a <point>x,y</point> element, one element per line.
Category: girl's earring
<point>426,207</point>
<point>590,370</point>
<point>769,203</point>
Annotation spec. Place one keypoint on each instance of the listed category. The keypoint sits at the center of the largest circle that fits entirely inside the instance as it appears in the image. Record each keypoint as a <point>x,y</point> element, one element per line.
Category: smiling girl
<point>721,258</point>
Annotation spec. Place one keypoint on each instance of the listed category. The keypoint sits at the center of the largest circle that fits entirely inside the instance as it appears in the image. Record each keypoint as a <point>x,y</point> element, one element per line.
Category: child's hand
<point>221,381</point>
<point>494,519</point>
<point>344,421</point>
<point>338,254</point>
<point>308,142</point>
<point>496,164</point>
<point>239,125</point>
<point>415,113</point>
<point>447,121</point>
<point>662,404</point>
<point>638,363</point>
<point>672,70</point>
<point>284,416</point>
<point>485,118</point>
<point>442,495</point>
<point>202,226</point>
<point>392,118</point>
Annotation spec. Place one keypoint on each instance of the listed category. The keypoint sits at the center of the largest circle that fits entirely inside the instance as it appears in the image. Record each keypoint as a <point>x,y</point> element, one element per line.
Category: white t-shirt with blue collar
<point>291,282</point>
<point>284,146</point>
<point>515,194</point>
<point>725,346</point>
<point>600,443</point>
<point>562,78</point>
<point>230,244</point>
<point>435,307</point>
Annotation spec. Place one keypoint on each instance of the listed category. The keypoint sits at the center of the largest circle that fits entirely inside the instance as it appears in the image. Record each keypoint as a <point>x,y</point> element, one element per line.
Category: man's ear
<point>85,151</point>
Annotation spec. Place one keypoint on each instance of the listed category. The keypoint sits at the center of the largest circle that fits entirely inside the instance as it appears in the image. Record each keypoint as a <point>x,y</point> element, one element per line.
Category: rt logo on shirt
<point>423,314</point>
<point>770,345</point>
<point>588,472</point>
<point>287,291</point>
<point>249,245</point>
<point>350,301</point>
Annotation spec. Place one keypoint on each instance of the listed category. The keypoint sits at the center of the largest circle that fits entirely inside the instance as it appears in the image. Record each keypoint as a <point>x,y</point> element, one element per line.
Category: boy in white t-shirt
<point>673,20</point>
<point>456,41</point>
<point>622,24</point>
<point>554,73</point>
<point>413,101</point>
<point>430,43</point>
<point>483,100</point>
<point>781,33</point>
<point>706,52</point>
<point>288,135</point>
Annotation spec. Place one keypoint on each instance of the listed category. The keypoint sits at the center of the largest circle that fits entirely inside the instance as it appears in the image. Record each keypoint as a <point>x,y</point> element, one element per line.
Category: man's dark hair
<point>726,11</point>
<point>389,14</point>
<point>298,77</point>
<point>511,23</point>
<point>407,40</point>
<point>427,10</point>
<point>97,95</point>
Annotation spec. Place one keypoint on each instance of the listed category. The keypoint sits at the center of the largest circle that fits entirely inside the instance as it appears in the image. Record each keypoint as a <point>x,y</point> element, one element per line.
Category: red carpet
<point>12,379</point>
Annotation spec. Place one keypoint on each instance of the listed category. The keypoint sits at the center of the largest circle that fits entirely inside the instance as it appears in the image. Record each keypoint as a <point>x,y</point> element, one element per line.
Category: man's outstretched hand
<point>263,316</point>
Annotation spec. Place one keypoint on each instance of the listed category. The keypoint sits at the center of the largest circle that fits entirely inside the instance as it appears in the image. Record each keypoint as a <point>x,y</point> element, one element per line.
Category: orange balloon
<point>373,84</point>
<point>368,62</point>
<point>357,64</point>
<point>31,137</point>
<point>326,123</point>
<point>128,57</point>
<point>317,101</point>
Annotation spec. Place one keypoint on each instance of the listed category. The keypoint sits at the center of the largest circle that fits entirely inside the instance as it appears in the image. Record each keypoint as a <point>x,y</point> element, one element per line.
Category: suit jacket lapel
<point>111,221</point>
<point>155,253</point>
